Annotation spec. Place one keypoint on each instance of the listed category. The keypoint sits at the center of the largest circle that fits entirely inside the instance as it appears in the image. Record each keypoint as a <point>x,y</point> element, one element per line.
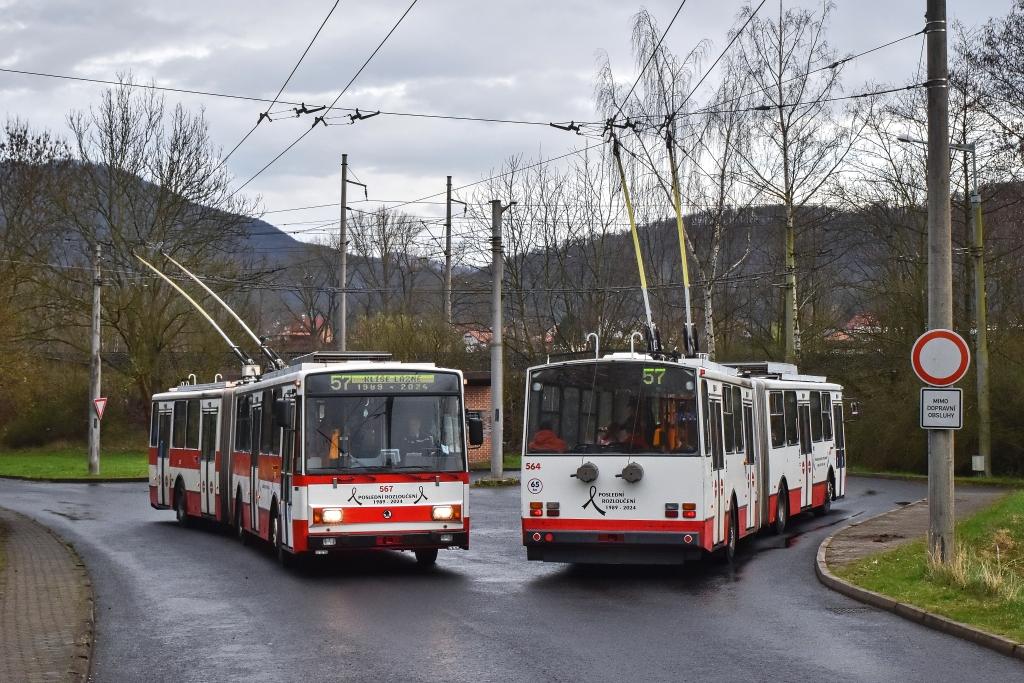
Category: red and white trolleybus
<point>633,459</point>
<point>335,452</point>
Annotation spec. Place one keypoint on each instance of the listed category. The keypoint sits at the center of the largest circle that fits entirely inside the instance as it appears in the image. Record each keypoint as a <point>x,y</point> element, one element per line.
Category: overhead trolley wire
<point>320,119</point>
<point>266,114</point>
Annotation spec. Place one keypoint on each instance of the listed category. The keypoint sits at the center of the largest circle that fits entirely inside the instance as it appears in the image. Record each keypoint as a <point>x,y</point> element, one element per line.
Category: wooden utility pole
<point>341,321</point>
<point>94,367</point>
<point>941,539</point>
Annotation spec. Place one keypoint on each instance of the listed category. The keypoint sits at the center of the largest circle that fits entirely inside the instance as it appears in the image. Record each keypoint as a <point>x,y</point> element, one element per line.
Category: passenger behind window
<point>546,441</point>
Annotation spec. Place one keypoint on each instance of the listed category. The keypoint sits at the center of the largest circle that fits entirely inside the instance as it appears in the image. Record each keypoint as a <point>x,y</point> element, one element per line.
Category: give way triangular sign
<point>100,404</point>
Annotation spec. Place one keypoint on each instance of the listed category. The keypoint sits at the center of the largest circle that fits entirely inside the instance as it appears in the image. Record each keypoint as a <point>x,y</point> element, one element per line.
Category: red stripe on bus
<point>563,524</point>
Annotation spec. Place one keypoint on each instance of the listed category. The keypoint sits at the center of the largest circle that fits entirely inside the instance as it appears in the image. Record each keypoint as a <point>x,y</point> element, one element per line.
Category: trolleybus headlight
<point>327,515</point>
<point>444,513</point>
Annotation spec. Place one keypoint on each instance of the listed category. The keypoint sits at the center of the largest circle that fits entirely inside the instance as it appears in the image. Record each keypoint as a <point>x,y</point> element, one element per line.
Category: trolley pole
<point>94,364</point>
<point>497,363</point>
<point>341,322</point>
<point>941,539</point>
<point>448,256</point>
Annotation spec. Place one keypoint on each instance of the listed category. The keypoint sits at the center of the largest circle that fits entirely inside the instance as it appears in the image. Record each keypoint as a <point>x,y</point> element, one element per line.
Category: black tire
<point>284,558</point>
<point>426,558</point>
<point>728,552</point>
<point>180,505</point>
<point>240,531</point>
<point>830,494</point>
<point>781,511</point>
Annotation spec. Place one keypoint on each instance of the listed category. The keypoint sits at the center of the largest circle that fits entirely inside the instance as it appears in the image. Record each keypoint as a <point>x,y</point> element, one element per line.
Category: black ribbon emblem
<point>354,498</point>
<point>591,501</point>
<point>423,496</point>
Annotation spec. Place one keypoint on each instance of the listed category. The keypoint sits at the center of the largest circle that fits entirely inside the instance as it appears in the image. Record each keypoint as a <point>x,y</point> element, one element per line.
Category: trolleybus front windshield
<point>612,407</point>
<point>383,422</point>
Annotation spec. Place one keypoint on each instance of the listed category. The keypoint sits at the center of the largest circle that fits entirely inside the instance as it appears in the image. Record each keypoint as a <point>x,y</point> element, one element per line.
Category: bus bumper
<point>601,547</point>
<point>420,540</point>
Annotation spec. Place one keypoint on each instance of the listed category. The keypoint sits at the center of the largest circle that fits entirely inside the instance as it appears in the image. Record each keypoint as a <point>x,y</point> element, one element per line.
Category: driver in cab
<point>415,439</point>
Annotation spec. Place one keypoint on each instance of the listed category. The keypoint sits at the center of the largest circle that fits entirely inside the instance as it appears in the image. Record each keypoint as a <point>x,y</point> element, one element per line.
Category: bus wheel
<point>729,551</point>
<point>781,511</point>
<point>830,490</point>
<point>284,558</point>
<point>426,558</point>
<point>180,509</point>
<point>239,525</point>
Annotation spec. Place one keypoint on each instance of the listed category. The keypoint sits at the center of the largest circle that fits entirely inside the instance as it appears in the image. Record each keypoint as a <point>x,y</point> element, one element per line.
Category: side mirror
<point>475,425</point>
<point>283,413</point>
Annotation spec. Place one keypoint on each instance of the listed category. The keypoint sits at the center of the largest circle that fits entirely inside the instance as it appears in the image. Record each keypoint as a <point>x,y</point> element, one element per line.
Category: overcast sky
<point>521,59</point>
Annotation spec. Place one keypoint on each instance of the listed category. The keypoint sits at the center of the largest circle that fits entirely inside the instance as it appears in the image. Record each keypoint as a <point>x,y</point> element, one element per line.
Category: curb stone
<point>1010,648</point>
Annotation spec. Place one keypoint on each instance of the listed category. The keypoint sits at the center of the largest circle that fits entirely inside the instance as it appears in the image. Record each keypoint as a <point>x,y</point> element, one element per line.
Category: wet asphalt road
<point>195,605</point>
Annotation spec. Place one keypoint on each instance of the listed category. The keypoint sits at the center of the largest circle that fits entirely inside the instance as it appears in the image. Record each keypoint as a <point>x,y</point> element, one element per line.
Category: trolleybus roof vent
<point>340,357</point>
<point>773,370</point>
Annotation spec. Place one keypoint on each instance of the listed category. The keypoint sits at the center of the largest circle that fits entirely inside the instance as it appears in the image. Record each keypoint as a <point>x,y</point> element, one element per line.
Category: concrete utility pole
<point>941,539</point>
<point>981,318</point>
<point>94,365</point>
<point>497,365</point>
<point>341,310</point>
<point>448,255</point>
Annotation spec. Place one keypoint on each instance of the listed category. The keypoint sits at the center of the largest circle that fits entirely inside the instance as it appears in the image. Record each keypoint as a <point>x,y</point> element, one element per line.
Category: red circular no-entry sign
<point>940,357</point>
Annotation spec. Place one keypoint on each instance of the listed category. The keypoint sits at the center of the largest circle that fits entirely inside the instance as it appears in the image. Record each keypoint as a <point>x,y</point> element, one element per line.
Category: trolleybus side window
<point>275,429</point>
<point>270,434</point>
<point>789,401</point>
<point>154,425</point>
<point>826,415</point>
<point>192,424</point>
<point>740,417</point>
<point>748,430</point>
<point>805,429</point>
<point>729,423</point>
<point>778,419</point>
<point>816,416</point>
<point>180,422</point>
<point>209,434</point>
<point>717,457</point>
<point>257,420</point>
<point>242,424</point>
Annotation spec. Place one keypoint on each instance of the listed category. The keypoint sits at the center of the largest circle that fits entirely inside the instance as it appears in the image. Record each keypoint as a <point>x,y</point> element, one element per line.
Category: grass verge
<point>983,586</point>
<point>1004,482</point>
<point>71,462</point>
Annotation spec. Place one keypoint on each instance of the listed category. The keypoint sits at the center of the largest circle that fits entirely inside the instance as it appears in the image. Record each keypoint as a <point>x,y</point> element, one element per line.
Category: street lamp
<point>977,251</point>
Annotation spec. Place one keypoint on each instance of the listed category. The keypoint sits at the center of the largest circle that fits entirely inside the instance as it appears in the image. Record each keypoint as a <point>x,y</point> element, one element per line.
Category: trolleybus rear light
<point>536,537</point>
<point>687,538</point>
<point>549,537</point>
<point>689,510</point>
<point>553,510</point>
<point>672,509</point>
<point>536,508</point>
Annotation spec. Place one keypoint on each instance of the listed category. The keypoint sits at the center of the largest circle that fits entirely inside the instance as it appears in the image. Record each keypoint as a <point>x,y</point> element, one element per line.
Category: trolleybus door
<point>163,449</point>
<point>806,455</point>
<point>750,466</point>
<point>839,432</point>
<point>254,467</point>
<point>288,450</point>
<point>718,469</point>
<point>208,459</point>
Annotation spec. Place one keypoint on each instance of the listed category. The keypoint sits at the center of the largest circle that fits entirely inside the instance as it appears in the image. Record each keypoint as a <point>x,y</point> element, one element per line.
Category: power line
<point>320,119</point>
<point>266,114</point>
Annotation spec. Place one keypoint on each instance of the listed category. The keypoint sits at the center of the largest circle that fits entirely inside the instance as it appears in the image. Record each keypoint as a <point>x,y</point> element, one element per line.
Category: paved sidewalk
<point>902,525</point>
<point>46,609</point>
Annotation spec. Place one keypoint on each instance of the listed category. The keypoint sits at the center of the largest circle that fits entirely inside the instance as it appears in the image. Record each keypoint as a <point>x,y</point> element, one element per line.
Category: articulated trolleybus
<point>630,458</point>
<point>334,452</point>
